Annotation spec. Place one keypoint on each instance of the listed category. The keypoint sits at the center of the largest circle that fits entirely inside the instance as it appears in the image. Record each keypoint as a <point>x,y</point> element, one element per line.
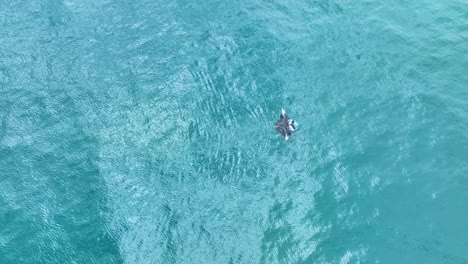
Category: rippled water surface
<point>142,131</point>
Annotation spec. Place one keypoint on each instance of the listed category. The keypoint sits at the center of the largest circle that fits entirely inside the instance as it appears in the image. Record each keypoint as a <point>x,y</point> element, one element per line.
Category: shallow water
<point>142,132</point>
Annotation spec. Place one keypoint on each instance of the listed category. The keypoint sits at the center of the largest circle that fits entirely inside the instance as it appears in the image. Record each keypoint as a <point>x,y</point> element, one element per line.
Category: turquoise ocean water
<point>142,131</point>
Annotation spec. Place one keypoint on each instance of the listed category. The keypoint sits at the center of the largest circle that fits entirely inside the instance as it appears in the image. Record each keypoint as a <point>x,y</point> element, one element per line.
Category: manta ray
<point>285,125</point>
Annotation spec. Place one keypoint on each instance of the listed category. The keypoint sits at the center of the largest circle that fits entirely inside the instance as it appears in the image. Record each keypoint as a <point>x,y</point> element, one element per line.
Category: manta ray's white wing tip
<point>282,111</point>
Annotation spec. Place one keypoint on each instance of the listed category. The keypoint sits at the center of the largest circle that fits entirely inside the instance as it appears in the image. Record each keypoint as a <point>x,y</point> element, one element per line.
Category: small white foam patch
<point>349,255</point>
<point>346,258</point>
